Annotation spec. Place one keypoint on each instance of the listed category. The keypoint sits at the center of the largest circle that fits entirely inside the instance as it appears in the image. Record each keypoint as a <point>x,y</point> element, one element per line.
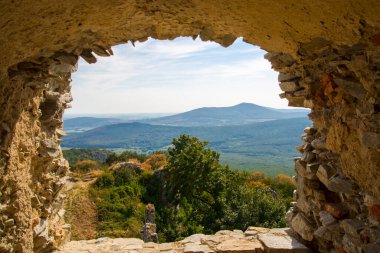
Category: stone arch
<point>327,55</point>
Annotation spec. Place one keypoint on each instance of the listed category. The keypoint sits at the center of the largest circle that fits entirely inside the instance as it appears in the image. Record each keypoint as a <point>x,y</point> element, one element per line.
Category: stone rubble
<point>254,239</point>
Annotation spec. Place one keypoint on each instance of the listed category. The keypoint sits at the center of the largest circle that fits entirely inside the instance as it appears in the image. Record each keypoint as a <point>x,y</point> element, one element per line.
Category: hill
<point>244,113</point>
<point>80,124</point>
<point>253,146</point>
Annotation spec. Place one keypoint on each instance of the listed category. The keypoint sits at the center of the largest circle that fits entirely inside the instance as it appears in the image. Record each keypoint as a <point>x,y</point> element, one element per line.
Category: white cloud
<point>173,76</point>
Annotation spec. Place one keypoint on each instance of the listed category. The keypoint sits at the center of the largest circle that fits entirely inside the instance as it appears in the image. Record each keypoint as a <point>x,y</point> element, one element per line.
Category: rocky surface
<point>253,240</point>
<point>337,184</point>
<point>327,54</point>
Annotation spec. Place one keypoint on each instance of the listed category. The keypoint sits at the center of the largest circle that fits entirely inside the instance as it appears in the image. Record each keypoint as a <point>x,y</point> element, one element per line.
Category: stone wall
<point>338,188</point>
<point>34,171</point>
<point>328,56</point>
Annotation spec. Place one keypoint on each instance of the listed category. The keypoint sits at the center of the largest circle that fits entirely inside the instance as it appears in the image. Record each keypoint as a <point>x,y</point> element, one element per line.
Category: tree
<point>189,166</point>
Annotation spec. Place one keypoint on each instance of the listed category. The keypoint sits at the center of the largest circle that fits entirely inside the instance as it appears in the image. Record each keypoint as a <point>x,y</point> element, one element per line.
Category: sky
<point>174,76</point>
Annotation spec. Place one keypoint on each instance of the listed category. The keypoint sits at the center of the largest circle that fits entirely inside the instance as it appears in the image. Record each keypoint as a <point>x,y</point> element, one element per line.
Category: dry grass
<point>81,212</point>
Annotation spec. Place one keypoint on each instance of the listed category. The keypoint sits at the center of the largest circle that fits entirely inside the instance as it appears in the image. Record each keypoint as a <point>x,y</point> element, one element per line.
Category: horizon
<point>72,115</point>
<point>160,76</point>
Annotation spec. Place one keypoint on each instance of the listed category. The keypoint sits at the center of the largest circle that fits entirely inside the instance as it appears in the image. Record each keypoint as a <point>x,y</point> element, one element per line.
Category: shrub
<point>105,180</point>
<point>86,166</point>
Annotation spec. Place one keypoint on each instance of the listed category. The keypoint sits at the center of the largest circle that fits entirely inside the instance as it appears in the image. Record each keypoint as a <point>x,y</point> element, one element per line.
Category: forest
<point>191,190</point>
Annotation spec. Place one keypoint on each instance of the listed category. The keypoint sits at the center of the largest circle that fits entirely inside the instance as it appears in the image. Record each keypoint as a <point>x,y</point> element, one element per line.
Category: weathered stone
<point>9,223</point>
<point>371,248</point>
<point>283,77</point>
<point>288,86</point>
<point>295,101</point>
<point>308,157</point>
<point>352,227</point>
<point>240,246</point>
<point>326,218</point>
<point>324,173</point>
<point>351,244</point>
<point>370,139</point>
<point>310,130</point>
<point>375,211</point>
<point>196,248</point>
<point>300,167</point>
<point>41,226</point>
<point>328,233</point>
<point>337,184</point>
<point>88,56</point>
<point>279,60</point>
<point>303,227</point>
<point>311,170</point>
<point>281,243</point>
<point>318,144</point>
<point>337,210</point>
<point>196,238</point>
<point>352,86</point>
<point>166,246</point>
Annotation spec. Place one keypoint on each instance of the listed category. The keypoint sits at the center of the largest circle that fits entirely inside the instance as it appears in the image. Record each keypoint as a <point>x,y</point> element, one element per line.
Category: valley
<point>266,145</point>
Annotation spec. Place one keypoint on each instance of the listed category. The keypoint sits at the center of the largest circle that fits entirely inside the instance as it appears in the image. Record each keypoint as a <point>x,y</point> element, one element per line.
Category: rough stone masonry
<point>327,54</point>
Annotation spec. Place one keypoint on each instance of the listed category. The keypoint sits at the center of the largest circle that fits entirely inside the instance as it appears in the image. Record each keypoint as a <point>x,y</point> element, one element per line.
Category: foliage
<point>125,156</point>
<point>85,166</point>
<point>117,196</point>
<point>264,145</point>
<point>192,193</point>
<point>155,161</point>
<point>75,155</point>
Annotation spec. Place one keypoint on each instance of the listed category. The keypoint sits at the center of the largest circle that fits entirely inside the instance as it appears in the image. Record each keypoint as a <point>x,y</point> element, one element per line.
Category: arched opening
<point>176,74</point>
<point>336,65</point>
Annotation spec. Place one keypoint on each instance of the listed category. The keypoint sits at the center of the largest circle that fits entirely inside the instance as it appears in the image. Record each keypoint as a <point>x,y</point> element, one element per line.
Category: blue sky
<point>174,76</point>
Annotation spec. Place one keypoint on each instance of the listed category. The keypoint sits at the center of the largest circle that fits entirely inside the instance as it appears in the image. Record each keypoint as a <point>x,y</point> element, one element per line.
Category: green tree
<point>189,166</point>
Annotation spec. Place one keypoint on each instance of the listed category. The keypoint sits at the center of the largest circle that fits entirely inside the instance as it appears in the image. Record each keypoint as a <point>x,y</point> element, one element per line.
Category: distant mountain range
<point>244,113</point>
<point>241,114</point>
<point>247,136</point>
<point>81,124</point>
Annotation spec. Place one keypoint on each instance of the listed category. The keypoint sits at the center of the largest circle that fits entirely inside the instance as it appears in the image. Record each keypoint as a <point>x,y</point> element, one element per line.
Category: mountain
<point>80,124</point>
<point>257,145</point>
<point>244,113</point>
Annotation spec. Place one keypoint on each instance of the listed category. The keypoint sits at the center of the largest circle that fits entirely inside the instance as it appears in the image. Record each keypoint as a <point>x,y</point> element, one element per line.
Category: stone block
<point>351,86</point>
<point>352,227</point>
<point>165,246</point>
<point>300,167</point>
<point>351,244</point>
<point>318,144</point>
<point>308,157</point>
<point>295,101</point>
<point>283,77</point>
<point>288,86</point>
<point>303,205</point>
<point>370,139</point>
<point>311,170</point>
<point>337,184</point>
<point>9,223</point>
<point>371,248</point>
<point>337,210</point>
<point>328,233</point>
<point>303,227</point>
<point>240,246</point>
<point>197,248</point>
<point>324,173</point>
<point>281,243</point>
<point>310,130</point>
<point>308,103</point>
<point>375,211</point>
<point>326,218</point>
